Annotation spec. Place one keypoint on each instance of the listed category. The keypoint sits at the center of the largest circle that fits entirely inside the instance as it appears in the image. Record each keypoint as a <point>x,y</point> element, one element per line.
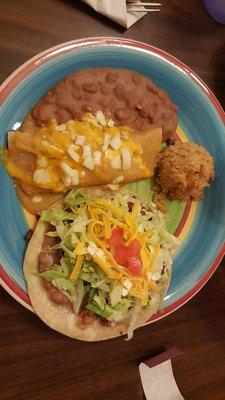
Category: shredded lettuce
<point>56,216</point>
<point>51,274</point>
<point>96,310</point>
<point>104,295</point>
<point>80,295</point>
<point>80,223</point>
<point>134,319</point>
<point>64,284</point>
<point>75,198</point>
<point>120,201</point>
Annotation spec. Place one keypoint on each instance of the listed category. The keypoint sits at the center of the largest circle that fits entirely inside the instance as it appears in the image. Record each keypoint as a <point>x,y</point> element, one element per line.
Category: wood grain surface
<point>37,363</point>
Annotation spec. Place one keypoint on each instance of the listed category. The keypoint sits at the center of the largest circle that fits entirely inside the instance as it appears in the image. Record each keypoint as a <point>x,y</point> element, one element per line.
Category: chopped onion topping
<point>72,176</point>
<point>124,292</point>
<point>110,123</point>
<point>115,142</point>
<point>73,154</point>
<point>126,157</point>
<point>42,162</point>
<point>87,151</point>
<point>41,176</point>
<point>92,248</point>
<point>97,157</point>
<point>60,128</point>
<point>89,163</point>
<point>80,140</point>
<point>106,142</point>
<point>127,284</point>
<point>116,162</point>
<point>100,118</point>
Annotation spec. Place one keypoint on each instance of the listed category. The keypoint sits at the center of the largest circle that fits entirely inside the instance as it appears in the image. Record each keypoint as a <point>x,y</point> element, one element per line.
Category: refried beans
<point>127,97</point>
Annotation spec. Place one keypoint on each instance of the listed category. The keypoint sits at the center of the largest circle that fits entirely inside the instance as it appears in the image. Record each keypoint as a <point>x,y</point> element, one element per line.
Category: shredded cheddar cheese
<point>77,268</point>
<point>79,247</point>
<point>104,217</point>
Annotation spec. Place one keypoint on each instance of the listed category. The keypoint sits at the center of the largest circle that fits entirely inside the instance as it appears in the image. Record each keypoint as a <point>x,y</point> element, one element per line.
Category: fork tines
<point>141,7</point>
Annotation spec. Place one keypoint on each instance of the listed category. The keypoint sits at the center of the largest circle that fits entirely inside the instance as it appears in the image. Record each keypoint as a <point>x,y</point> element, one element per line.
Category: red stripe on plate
<point>14,286</point>
<point>183,219</point>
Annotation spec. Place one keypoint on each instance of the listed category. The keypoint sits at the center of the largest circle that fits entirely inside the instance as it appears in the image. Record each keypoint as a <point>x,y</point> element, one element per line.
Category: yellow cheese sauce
<point>65,153</point>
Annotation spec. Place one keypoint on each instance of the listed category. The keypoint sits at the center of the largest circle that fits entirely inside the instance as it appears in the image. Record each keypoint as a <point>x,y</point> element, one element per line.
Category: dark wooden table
<point>37,363</point>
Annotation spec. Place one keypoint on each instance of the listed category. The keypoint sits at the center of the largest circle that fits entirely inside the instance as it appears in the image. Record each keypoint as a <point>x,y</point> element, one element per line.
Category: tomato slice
<point>135,246</point>
<point>129,257</point>
<point>120,254</point>
<point>116,237</point>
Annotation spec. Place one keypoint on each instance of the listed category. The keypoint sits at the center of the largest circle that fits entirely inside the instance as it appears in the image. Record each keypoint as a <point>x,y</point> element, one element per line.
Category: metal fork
<point>138,6</point>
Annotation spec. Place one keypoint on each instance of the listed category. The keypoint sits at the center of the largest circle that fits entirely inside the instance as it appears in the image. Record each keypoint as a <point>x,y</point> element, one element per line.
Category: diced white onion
<point>100,118</point>
<point>92,249</point>
<point>72,176</point>
<point>115,142</point>
<point>124,292</point>
<point>41,176</point>
<point>106,142</point>
<point>73,154</point>
<point>116,162</point>
<point>42,162</point>
<point>110,123</point>
<point>87,151</point>
<point>89,163</point>
<point>60,128</point>
<point>80,140</point>
<point>127,284</point>
<point>126,157</point>
<point>97,157</point>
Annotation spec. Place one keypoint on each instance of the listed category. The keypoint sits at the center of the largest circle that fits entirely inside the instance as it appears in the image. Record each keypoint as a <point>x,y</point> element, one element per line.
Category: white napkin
<point>159,383</point>
<point>116,10</point>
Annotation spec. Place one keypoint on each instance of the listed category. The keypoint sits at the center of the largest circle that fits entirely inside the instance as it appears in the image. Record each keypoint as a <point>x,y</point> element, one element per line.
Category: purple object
<point>216,9</point>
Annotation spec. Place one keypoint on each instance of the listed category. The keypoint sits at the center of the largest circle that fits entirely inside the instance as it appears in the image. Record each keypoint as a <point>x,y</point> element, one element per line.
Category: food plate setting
<point>189,225</point>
